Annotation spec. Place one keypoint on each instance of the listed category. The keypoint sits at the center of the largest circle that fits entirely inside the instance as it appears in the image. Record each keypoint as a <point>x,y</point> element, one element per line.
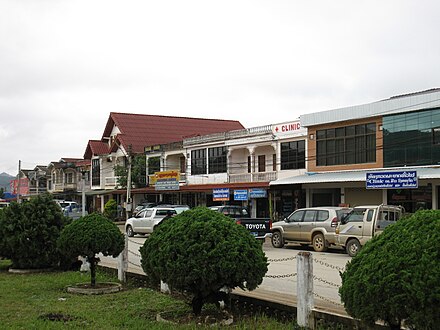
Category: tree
<point>111,210</point>
<point>396,275</point>
<point>138,172</point>
<point>29,232</point>
<point>89,236</point>
<point>200,251</point>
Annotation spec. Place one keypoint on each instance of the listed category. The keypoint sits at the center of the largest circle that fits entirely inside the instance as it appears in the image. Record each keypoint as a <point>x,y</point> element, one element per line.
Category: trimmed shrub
<point>89,236</point>
<point>29,232</point>
<point>396,275</point>
<point>111,210</point>
<point>201,251</point>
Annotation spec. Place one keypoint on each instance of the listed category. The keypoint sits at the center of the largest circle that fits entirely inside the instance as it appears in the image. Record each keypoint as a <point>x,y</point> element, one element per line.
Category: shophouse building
<point>383,152</point>
<point>125,136</point>
<point>233,168</point>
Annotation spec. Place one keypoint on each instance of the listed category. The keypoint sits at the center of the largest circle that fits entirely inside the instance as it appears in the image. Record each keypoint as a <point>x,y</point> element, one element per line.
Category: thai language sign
<point>258,193</point>
<point>241,195</point>
<point>167,180</point>
<point>392,180</point>
<point>220,194</point>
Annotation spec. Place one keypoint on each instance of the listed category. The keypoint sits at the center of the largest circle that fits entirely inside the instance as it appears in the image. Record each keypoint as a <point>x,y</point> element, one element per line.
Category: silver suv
<point>145,221</point>
<point>315,225</point>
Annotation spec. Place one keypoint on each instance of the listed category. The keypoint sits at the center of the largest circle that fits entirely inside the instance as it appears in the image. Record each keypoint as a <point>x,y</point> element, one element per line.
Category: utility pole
<point>18,181</point>
<point>128,203</point>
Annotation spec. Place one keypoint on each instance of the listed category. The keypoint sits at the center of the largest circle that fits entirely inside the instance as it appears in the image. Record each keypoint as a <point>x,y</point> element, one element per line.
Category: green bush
<point>111,210</point>
<point>29,232</point>
<point>89,236</point>
<point>396,275</point>
<point>201,251</point>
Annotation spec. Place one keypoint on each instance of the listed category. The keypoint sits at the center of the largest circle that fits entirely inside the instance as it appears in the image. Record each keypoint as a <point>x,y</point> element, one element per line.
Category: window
<point>198,161</point>
<point>436,135</point>
<point>296,216</point>
<point>293,155</point>
<point>249,164</point>
<point>96,172</point>
<point>357,215</point>
<point>217,159</point>
<point>274,162</point>
<point>355,144</point>
<point>322,215</point>
<point>261,163</point>
<point>309,216</point>
<point>69,177</point>
<point>153,165</point>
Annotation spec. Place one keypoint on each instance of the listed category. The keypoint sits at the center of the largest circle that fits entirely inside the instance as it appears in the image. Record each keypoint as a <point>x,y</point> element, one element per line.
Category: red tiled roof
<point>145,130</point>
<point>96,147</point>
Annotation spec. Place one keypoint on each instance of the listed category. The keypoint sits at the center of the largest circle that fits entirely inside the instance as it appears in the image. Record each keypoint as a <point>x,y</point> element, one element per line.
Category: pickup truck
<point>364,222</point>
<point>145,221</point>
<point>260,228</point>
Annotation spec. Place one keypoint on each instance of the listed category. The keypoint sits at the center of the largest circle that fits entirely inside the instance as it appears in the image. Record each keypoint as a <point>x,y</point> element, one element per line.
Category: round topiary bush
<point>201,251</point>
<point>89,236</point>
<point>29,232</point>
<point>396,275</point>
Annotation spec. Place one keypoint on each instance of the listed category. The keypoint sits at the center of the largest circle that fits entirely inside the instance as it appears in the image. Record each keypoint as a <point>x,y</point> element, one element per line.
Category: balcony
<point>253,177</point>
<point>62,187</point>
<point>111,182</point>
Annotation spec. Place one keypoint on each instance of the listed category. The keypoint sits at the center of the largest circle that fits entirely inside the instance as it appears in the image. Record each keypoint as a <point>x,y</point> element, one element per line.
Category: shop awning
<point>432,172</point>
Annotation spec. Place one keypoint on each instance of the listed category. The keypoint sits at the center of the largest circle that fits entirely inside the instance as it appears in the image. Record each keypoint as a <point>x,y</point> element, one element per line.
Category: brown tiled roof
<point>96,147</point>
<point>144,130</point>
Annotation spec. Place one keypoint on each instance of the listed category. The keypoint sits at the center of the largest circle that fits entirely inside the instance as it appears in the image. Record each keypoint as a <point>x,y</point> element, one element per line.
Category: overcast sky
<point>65,65</point>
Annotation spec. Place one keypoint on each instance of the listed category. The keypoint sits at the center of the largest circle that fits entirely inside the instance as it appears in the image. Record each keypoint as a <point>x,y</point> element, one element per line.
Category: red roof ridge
<point>169,116</point>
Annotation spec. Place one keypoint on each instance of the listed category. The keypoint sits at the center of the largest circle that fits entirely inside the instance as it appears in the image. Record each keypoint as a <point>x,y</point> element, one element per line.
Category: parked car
<point>315,226</point>
<point>143,205</point>
<point>233,211</point>
<point>364,222</point>
<point>3,204</point>
<point>179,208</point>
<point>258,227</point>
<point>145,221</point>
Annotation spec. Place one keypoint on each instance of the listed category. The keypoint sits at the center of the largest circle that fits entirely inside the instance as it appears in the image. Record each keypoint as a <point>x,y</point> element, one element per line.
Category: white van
<point>364,222</point>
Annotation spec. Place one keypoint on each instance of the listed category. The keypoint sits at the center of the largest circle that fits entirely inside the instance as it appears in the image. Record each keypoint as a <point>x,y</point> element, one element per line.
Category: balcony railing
<point>61,187</point>
<point>111,182</point>
<point>253,177</point>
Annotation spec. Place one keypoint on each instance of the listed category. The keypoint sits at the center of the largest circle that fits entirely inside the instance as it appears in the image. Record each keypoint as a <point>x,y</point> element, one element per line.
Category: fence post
<point>123,262</point>
<point>305,290</point>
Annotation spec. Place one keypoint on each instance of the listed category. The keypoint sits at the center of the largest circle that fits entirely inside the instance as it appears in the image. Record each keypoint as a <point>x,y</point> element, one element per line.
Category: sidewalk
<point>260,293</point>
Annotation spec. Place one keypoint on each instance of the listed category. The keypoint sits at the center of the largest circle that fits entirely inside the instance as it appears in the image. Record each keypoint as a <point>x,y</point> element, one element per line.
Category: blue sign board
<point>258,193</point>
<point>241,195</point>
<point>392,180</point>
<point>220,194</point>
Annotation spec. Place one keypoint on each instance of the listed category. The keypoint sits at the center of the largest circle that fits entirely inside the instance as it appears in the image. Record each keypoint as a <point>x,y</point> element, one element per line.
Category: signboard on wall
<point>167,180</point>
<point>258,193</point>
<point>289,128</point>
<point>241,195</point>
<point>220,194</point>
<point>392,180</point>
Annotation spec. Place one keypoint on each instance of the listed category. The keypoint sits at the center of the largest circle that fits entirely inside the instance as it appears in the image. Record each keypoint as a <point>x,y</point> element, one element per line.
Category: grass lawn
<point>30,302</point>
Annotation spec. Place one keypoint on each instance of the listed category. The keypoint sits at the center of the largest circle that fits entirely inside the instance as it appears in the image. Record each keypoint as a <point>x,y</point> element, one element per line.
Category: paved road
<point>280,282</point>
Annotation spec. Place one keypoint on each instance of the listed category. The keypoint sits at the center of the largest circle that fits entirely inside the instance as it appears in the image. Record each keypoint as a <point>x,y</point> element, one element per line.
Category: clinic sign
<point>392,180</point>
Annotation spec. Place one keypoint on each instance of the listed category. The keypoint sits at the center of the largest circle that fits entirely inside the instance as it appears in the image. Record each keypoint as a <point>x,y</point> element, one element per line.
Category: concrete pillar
<point>434,197</point>
<point>384,196</point>
<point>305,290</point>
<point>123,262</point>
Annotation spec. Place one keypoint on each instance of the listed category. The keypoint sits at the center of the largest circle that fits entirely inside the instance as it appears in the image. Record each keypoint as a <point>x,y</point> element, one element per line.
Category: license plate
<point>254,234</point>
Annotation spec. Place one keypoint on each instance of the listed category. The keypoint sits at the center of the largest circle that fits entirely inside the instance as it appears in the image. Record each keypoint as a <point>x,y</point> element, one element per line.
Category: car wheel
<point>353,247</point>
<point>277,240</point>
<point>130,232</point>
<point>319,244</point>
